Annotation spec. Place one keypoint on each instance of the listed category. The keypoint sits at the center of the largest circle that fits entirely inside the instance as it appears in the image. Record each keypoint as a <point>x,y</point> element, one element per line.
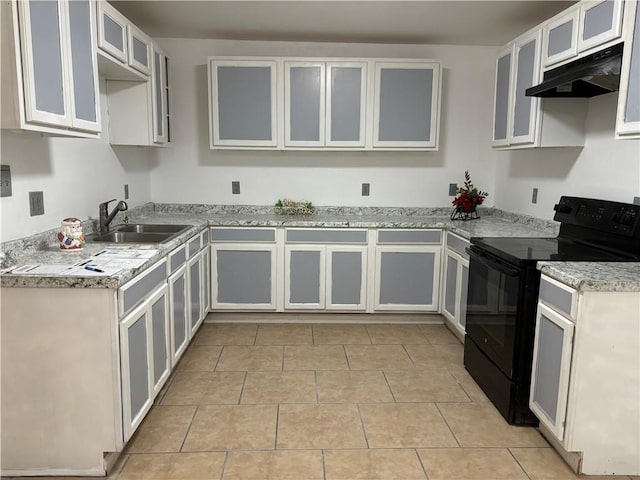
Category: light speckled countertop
<point>595,276</point>
<point>493,224</point>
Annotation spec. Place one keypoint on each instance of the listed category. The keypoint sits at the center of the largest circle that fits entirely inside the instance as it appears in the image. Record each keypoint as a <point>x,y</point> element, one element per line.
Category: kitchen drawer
<point>194,245</point>
<point>457,244</point>
<point>136,290</point>
<point>323,235</point>
<point>409,236</point>
<point>177,258</point>
<point>242,234</point>
<point>558,296</point>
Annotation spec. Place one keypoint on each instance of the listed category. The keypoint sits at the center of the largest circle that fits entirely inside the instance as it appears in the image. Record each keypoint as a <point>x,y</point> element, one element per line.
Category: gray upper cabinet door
<point>84,71</point>
<point>243,103</point>
<point>304,103</point>
<point>628,121</point>
<point>160,96</point>
<point>112,32</point>
<point>502,98</point>
<point>346,101</point>
<point>139,46</point>
<point>406,105</point>
<point>560,37</point>
<point>600,22</point>
<point>42,24</point>
<point>525,110</point>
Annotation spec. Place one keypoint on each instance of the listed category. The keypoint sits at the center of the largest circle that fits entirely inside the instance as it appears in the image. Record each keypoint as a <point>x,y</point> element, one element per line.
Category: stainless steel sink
<point>139,233</point>
<point>152,228</point>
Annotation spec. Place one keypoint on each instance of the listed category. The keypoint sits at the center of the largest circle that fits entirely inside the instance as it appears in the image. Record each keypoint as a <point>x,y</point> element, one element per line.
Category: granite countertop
<point>595,276</point>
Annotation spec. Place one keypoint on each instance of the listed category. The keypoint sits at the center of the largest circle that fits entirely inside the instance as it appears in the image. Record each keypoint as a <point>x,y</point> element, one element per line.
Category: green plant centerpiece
<point>467,199</point>
<point>290,207</point>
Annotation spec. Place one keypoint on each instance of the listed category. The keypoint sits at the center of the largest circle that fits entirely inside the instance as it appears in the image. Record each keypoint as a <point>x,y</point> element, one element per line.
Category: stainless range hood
<point>593,75</point>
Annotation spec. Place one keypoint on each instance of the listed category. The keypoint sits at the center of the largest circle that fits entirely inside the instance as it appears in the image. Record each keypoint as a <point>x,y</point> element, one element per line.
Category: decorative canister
<point>70,234</point>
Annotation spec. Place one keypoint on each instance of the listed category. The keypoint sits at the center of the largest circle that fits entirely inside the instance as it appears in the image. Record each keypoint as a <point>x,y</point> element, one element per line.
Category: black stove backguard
<point>503,289</point>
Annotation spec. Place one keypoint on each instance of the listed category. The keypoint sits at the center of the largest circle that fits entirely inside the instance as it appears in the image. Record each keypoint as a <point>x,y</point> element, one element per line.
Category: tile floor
<point>329,402</point>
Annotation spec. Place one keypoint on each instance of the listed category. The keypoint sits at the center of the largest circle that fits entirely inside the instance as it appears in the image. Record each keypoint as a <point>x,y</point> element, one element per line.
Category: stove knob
<point>562,208</point>
<point>626,219</point>
<point>617,217</point>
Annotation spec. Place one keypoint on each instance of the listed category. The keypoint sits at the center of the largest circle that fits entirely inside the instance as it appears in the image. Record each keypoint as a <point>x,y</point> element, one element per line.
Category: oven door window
<point>492,304</point>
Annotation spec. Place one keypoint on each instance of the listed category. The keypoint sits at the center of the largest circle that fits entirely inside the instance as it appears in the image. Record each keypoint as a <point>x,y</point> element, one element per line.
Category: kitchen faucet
<point>105,217</point>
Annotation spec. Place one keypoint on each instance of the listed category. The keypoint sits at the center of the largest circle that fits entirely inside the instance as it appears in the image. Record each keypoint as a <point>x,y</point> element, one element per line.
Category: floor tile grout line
<point>519,464</point>
<point>364,431</point>
<point>404,347</point>
<point>393,395</point>
<point>424,469</point>
<point>366,329</point>
<point>324,466</point>
<point>219,357</point>
<point>275,439</point>
<point>244,382</point>
<point>344,350</point>
<point>315,378</point>
<point>184,440</point>
<point>255,335</point>
<point>447,423</point>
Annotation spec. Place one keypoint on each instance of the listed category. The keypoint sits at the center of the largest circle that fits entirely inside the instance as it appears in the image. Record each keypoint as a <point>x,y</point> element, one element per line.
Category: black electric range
<point>503,292</point>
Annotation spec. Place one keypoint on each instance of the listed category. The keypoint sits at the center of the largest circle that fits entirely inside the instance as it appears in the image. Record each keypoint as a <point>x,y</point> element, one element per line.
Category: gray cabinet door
<point>243,276</point>
<point>600,22</point>
<point>206,281</point>
<point>525,110</point>
<point>160,341</point>
<point>346,104</point>
<point>178,311</point>
<point>84,73</point>
<point>305,277</point>
<point>407,278</point>
<point>502,97</point>
<point>346,278</point>
<point>450,286</point>
<point>195,292</point>
<point>112,31</point>
<point>243,103</point>
<point>304,103</point>
<point>43,56</point>
<point>551,366</point>
<point>406,104</point>
<point>139,50</point>
<point>160,94</point>
<point>628,121</point>
<point>561,37</point>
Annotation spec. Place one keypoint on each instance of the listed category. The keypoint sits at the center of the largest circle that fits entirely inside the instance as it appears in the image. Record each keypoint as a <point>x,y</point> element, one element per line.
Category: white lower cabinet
<point>243,276</point>
<point>332,277</point>
<point>454,291</point>
<point>144,357</point>
<point>585,377</point>
<point>407,277</point>
<point>179,313</point>
<point>197,293</point>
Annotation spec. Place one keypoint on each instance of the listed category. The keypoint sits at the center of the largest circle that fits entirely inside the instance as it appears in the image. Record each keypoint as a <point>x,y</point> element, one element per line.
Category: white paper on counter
<point>130,253</point>
<point>64,270</point>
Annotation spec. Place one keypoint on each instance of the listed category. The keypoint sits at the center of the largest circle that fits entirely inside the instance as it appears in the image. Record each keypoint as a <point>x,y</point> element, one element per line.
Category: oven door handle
<point>493,262</point>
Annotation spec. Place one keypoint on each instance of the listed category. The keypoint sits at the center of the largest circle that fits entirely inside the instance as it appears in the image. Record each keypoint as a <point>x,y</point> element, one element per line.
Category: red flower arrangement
<point>469,197</point>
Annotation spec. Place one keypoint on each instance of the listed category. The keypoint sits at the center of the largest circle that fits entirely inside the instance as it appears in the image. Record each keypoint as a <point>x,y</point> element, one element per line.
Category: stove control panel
<point>602,215</point>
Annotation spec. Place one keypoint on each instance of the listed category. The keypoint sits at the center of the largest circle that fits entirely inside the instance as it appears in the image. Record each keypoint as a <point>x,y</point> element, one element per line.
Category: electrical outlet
<point>36,203</point>
<point>126,191</point>
<point>235,188</point>
<point>534,196</point>
<point>636,200</point>
<point>5,181</point>
<point>453,189</point>
<point>365,189</point>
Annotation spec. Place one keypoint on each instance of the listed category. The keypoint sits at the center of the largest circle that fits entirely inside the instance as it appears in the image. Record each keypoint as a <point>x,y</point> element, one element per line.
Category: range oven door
<point>492,307</point>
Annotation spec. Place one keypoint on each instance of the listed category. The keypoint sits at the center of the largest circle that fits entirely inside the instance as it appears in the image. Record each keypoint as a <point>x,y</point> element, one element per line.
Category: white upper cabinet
<point>527,73</point>
<point>161,97</point>
<point>49,72</point>
<point>406,105</point>
<point>325,103</point>
<point>139,46</point>
<point>112,32</point>
<point>600,22</point>
<point>628,119</point>
<point>560,34</point>
<point>242,100</point>
<point>502,97</point>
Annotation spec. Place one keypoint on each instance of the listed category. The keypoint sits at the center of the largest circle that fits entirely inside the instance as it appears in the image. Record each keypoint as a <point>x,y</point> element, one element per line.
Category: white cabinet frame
<point>627,129</point>
<point>178,350</point>
<point>363,104</point>
<point>604,37</point>
<point>567,327</point>
<point>363,250</point>
<point>571,15</point>
<point>135,32</point>
<point>321,249</point>
<point>106,10</point>
<point>502,142</point>
<point>288,65</point>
